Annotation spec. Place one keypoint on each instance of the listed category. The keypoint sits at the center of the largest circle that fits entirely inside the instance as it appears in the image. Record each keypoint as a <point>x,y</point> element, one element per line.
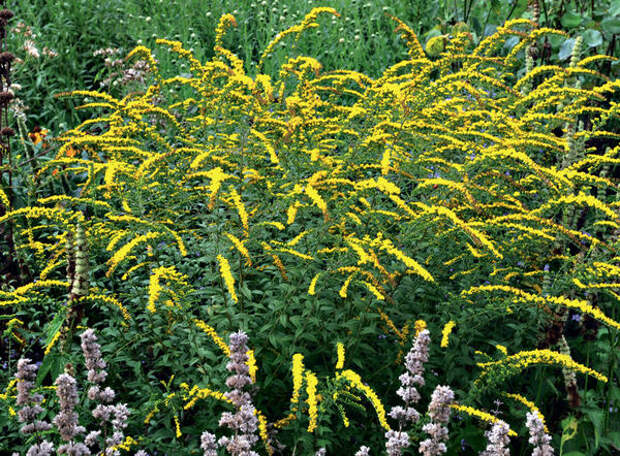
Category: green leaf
<point>567,49</point>
<point>54,326</point>
<point>611,25</point>
<point>570,20</point>
<point>592,38</point>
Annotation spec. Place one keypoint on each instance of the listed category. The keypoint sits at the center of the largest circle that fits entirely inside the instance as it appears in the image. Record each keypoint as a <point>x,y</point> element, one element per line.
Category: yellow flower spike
<point>345,286</point>
<point>484,416</point>
<point>155,288</point>
<point>356,381</point>
<point>243,215</point>
<point>340,351</point>
<point>240,247</point>
<point>297,371</point>
<point>262,431</point>
<point>312,287</point>
<point>419,326</point>
<point>530,405</point>
<point>317,200</point>
<point>253,368</point>
<point>374,290</point>
<point>227,276</point>
<point>291,212</point>
<point>177,426</point>
<point>213,335</point>
<point>226,21</point>
<point>445,333</point>
<point>524,359</point>
<point>522,296</point>
<point>124,251</point>
<point>53,341</point>
<point>311,383</point>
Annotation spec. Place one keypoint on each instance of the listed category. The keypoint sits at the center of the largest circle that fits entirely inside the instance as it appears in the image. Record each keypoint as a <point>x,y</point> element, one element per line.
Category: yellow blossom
<point>340,351</point>
<point>227,276</point>
<point>445,333</point>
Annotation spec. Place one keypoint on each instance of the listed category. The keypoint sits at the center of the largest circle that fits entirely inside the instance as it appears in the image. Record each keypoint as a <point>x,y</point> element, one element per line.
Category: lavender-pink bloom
<point>67,420</point>
<point>538,436</point>
<point>208,444</point>
<point>498,440</point>
<point>396,442</point>
<point>44,448</point>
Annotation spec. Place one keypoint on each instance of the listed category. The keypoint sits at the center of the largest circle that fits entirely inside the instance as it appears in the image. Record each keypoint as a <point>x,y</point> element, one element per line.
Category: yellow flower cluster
<point>311,382</point>
<point>484,416</point>
<point>530,405</point>
<point>340,350</point>
<point>227,276</point>
<point>356,381</point>
<point>524,359</point>
<point>445,333</point>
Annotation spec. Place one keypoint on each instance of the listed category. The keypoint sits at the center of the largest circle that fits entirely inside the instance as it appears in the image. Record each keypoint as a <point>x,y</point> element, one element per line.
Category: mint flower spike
<point>498,440</point>
<point>414,363</point>
<point>67,419</point>
<point>439,412</point>
<point>363,451</point>
<point>31,408</point>
<point>538,436</point>
<point>208,444</point>
<point>243,422</point>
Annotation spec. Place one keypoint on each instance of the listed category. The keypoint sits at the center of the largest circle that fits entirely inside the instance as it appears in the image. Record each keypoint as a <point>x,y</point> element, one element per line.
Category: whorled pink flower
<point>243,421</point>
<point>439,412</point>
<point>498,440</point>
<point>538,437</point>
<point>67,419</point>
<point>30,409</point>
<point>396,442</point>
<point>208,444</point>
<point>44,448</point>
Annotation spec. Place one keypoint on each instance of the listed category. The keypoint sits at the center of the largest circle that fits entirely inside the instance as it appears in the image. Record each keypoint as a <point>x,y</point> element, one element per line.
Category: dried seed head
<point>6,57</point>
<point>6,14</point>
<point>5,97</point>
<point>7,131</point>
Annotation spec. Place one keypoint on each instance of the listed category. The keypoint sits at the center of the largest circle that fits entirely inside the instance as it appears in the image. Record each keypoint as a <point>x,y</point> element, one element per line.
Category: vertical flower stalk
<point>570,378</point>
<point>538,437</point>
<point>414,363</point>
<point>6,159</point>
<point>439,412</point>
<point>79,284</point>
<point>243,422</point>
<point>6,58</point>
<point>31,408</point>
<point>498,440</point>
<point>67,419</point>
<point>116,415</point>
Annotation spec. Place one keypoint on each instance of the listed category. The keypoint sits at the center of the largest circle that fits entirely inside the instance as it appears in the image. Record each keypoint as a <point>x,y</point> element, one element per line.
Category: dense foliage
<point>332,216</point>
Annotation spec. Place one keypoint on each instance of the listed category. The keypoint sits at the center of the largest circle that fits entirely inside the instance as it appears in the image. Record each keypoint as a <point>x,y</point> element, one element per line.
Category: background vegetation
<point>291,191</point>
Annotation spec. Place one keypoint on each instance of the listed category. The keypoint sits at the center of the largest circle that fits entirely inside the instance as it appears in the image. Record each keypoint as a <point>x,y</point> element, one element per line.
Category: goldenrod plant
<point>460,192</point>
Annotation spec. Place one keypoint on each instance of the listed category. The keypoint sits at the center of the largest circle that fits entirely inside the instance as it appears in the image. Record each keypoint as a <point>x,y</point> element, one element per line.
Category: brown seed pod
<point>6,14</point>
<point>5,97</point>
